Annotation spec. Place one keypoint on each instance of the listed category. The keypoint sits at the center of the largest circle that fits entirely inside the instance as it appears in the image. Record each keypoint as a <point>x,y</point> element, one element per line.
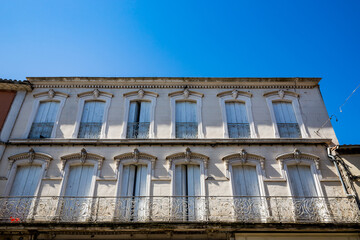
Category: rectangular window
<point>77,203</point>
<point>139,120</point>
<point>286,120</point>
<point>187,200</point>
<point>133,203</point>
<point>249,205</point>
<point>91,120</point>
<point>23,190</point>
<point>44,121</point>
<point>186,125</point>
<point>237,121</point>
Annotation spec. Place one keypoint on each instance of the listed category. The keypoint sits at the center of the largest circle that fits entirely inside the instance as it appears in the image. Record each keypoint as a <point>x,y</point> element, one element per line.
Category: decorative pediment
<point>243,158</point>
<point>298,157</point>
<point>51,94</point>
<point>31,155</point>
<point>188,156</point>
<point>281,94</point>
<point>135,156</point>
<point>95,93</point>
<point>186,93</point>
<point>141,93</point>
<point>234,94</point>
<point>83,156</point>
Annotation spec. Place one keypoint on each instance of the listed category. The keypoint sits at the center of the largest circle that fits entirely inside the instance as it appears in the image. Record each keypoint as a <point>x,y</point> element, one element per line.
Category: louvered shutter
<point>286,120</point>
<point>44,120</point>
<point>91,119</point>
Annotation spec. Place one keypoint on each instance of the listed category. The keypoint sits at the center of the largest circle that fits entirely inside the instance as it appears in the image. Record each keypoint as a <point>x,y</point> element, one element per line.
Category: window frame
<point>290,97</point>
<point>48,96</point>
<point>190,96</point>
<point>188,158</point>
<point>240,97</point>
<point>94,95</point>
<point>134,158</point>
<point>27,159</point>
<point>139,96</point>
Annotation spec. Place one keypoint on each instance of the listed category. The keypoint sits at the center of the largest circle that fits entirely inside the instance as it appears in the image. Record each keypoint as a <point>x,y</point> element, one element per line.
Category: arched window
<point>78,185</point>
<point>45,114</point>
<point>134,171</point>
<point>91,120</point>
<point>237,114</point>
<point>139,114</point>
<point>186,117</point>
<point>246,175</point>
<point>285,114</point>
<point>24,180</point>
<point>189,171</point>
<point>186,124</point>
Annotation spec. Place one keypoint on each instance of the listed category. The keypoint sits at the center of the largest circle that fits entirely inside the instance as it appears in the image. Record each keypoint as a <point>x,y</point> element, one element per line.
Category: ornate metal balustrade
<point>179,209</point>
<point>41,130</point>
<point>138,130</point>
<point>186,130</point>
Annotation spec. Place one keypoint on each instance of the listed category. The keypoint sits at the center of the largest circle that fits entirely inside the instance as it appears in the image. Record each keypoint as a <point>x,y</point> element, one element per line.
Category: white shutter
<point>245,181</point>
<point>144,112</point>
<point>190,112</point>
<point>193,181</point>
<point>79,181</point>
<point>26,181</point>
<point>44,120</point>
<point>284,112</point>
<point>133,112</point>
<point>91,119</point>
<point>302,181</point>
<point>180,180</point>
<point>180,112</point>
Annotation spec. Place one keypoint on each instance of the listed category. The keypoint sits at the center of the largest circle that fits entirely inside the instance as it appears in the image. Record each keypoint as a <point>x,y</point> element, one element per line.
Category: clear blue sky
<point>306,38</point>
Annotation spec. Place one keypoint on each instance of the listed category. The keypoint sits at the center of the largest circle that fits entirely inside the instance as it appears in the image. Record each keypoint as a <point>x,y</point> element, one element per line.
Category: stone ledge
<point>210,142</point>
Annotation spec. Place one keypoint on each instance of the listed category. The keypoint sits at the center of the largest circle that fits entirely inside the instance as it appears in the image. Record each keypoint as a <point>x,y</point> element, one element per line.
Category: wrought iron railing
<point>138,130</point>
<point>186,129</point>
<point>239,130</point>
<point>180,209</point>
<point>289,130</point>
<point>89,130</point>
<point>41,130</point>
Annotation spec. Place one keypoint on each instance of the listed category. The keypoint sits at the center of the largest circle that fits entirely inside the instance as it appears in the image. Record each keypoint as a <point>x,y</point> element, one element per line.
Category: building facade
<point>173,158</point>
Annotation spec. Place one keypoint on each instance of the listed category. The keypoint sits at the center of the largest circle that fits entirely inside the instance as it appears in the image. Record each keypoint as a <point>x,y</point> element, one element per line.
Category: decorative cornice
<point>31,155</point>
<point>95,93</point>
<point>135,156</point>
<point>140,93</point>
<point>234,93</point>
<point>51,94</point>
<point>298,157</point>
<point>186,93</point>
<point>82,156</point>
<point>188,155</point>
<point>168,141</point>
<point>243,157</point>
<point>281,93</point>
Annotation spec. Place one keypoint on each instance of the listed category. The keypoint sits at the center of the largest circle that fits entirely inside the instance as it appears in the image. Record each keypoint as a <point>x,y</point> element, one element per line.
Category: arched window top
<point>134,157</point>
<point>51,94</point>
<point>140,94</point>
<point>281,94</point>
<point>83,157</point>
<point>298,158</point>
<point>187,157</point>
<point>234,94</point>
<point>186,93</point>
<point>95,94</point>
<point>243,158</point>
<point>30,156</point>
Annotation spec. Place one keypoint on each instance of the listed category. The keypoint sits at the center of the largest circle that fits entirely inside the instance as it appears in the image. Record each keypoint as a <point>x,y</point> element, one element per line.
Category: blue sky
<point>193,39</point>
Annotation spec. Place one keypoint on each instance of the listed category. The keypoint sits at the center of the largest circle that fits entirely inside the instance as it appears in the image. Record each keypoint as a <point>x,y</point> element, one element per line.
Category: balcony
<point>179,209</point>
<point>186,130</point>
<point>138,130</point>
